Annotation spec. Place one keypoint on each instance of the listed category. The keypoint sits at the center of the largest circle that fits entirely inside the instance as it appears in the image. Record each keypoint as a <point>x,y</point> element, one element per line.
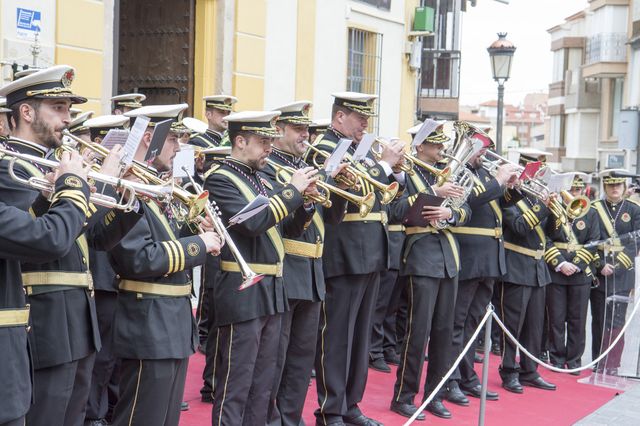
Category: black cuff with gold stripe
<point>74,189</point>
<point>551,256</point>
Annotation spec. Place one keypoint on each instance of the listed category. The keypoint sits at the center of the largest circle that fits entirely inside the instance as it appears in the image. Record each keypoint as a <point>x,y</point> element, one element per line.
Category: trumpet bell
<point>197,205</point>
<point>367,204</point>
<point>578,207</point>
<point>390,193</point>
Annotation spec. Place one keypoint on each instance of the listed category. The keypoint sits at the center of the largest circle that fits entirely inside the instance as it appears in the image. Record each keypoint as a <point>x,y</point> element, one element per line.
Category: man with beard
<point>25,238</point>
<point>617,216</point>
<point>356,252</point>
<point>64,335</point>
<point>248,320</point>
<point>303,267</point>
<point>154,330</point>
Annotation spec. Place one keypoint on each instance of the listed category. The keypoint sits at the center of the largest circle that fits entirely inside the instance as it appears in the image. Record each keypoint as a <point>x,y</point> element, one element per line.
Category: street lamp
<point>501,53</point>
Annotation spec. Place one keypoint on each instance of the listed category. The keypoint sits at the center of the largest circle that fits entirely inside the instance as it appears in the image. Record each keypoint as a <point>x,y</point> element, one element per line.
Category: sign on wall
<point>28,23</point>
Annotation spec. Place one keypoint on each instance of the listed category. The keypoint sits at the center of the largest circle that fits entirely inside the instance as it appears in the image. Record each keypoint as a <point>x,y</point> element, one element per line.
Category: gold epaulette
<point>212,169</point>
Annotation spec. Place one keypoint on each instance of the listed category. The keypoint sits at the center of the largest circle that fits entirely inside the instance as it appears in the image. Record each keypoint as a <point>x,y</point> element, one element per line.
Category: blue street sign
<point>28,20</point>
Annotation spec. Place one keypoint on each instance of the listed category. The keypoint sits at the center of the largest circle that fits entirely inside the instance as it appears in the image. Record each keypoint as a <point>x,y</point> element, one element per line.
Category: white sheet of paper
<point>426,129</point>
<point>363,147</point>
<point>115,137</point>
<point>184,159</point>
<point>253,208</point>
<point>337,155</point>
<point>133,140</point>
<point>560,182</point>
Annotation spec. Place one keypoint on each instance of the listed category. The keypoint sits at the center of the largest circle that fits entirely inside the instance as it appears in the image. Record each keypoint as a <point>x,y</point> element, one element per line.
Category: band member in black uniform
<point>154,329</point>
<point>42,239</point>
<point>64,335</point>
<point>303,266</point>
<point>77,127</point>
<point>617,216</point>
<point>522,303</point>
<point>103,393</point>
<point>216,109</point>
<point>249,320</point>
<point>483,262</point>
<point>126,102</point>
<point>356,252</point>
<point>429,265</point>
<point>318,128</point>
<point>571,278</point>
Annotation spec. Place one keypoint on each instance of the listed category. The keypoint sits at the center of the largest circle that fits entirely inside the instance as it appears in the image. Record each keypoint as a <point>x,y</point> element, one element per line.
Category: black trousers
<point>343,345</point>
<point>496,331</point>
<point>60,393</point>
<point>103,393</point>
<point>431,303</point>
<point>150,392</point>
<point>16,422</point>
<point>567,311</point>
<point>522,309</point>
<point>245,373</point>
<point>296,354</point>
<point>211,347</point>
<point>607,319</point>
<point>383,328</point>
<point>471,304</point>
<point>202,313</point>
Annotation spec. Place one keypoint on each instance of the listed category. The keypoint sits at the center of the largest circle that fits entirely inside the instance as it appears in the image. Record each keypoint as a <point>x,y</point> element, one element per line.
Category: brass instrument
<point>442,175</point>
<point>194,204</point>
<point>533,186</point>
<point>129,190</point>
<point>249,277</point>
<point>365,203</point>
<point>388,192</point>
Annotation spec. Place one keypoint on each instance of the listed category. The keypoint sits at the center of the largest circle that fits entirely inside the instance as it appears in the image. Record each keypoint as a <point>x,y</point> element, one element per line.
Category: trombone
<point>129,190</point>
<point>195,204</point>
<point>249,277</point>
<point>442,175</point>
<point>388,191</point>
<point>365,203</point>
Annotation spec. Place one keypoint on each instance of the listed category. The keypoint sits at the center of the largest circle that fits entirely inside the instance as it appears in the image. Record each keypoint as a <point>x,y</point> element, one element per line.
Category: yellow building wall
<point>80,44</point>
<point>305,48</point>
<point>249,54</point>
<point>408,86</point>
<point>205,68</point>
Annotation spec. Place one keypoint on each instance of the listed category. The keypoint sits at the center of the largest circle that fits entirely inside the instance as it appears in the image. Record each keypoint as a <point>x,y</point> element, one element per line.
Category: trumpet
<point>388,191</point>
<point>533,186</point>
<point>365,203</point>
<point>194,204</point>
<point>249,277</point>
<point>442,175</point>
<point>129,190</point>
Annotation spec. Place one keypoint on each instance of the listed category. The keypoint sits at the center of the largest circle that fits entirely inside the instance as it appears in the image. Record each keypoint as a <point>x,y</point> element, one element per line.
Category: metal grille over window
<point>363,68</point>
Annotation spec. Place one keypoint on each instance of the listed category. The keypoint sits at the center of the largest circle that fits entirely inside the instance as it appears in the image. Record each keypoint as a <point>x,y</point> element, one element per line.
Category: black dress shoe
<point>393,358</point>
<point>476,392</point>
<point>495,349</point>
<point>406,410</point>
<point>378,364</point>
<point>360,420</point>
<point>571,367</point>
<point>437,408</point>
<point>455,395</point>
<point>513,385</point>
<point>184,406</point>
<point>539,383</point>
<point>477,358</point>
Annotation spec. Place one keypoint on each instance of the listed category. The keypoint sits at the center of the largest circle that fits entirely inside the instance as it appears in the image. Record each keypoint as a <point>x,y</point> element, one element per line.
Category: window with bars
<point>363,66</point>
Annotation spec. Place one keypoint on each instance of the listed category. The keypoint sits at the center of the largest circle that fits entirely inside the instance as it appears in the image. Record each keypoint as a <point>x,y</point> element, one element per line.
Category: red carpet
<point>571,402</point>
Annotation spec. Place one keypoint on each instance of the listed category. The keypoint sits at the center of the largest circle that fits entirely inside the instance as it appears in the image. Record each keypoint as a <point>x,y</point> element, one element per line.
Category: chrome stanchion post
<point>485,366</point>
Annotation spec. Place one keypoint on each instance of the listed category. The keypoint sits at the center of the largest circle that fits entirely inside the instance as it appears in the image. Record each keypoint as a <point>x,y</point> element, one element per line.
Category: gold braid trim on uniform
<point>14,317</point>
<point>406,344</point>
<point>171,256</point>
<point>226,381</point>
<point>135,398</point>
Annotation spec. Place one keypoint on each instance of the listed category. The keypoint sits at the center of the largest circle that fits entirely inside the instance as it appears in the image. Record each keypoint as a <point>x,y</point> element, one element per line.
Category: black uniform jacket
<point>259,240</point>
<point>569,238</point>
<point>359,246</point>
<point>208,139</point>
<point>304,278</point>
<point>616,221</point>
<point>429,252</point>
<point>482,255</point>
<point>64,322</point>
<point>396,236</point>
<point>526,245</point>
<point>38,240</point>
<point>148,325</point>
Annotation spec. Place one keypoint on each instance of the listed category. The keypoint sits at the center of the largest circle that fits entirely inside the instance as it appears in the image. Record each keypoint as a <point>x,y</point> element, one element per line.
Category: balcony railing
<point>606,47</point>
<point>440,74</point>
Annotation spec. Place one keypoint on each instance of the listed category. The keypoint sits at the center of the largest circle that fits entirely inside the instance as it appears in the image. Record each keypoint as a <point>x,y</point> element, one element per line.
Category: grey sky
<point>527,22</point>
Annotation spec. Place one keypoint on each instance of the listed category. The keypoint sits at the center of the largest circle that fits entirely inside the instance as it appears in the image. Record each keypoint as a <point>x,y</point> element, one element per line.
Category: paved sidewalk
<point>623,410</point>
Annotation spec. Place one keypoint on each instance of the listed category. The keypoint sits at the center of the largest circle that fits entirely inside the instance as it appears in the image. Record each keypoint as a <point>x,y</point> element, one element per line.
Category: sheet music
<point>133,140</point>
<point>184,162</point>
<point>253,208</point>
<point>115,137</point>
<point>363,147</point>
<point>336,157</point>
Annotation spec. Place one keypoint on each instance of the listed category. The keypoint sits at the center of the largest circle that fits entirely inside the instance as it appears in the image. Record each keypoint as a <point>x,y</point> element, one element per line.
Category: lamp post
<point>501,53</point>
